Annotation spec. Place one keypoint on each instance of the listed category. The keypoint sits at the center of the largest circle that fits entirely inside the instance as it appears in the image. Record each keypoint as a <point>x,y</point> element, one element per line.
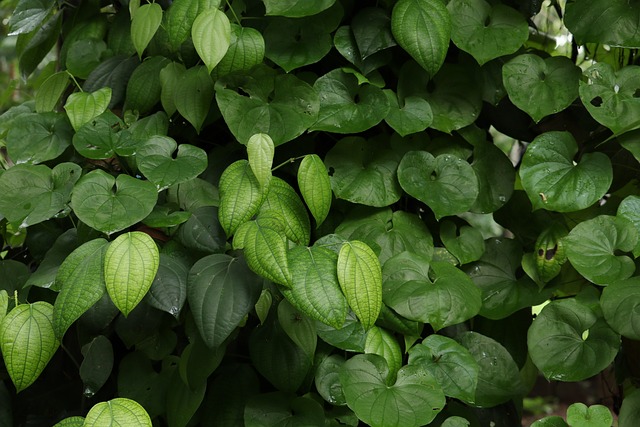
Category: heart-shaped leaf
<point>246,49</point>
<point>630,409</point>
<point>105,208</point>
<point>423,29</point>
<point>413,400</point>
<point>130,265</point>
<point>241,196</point>
<point>415,115</point>
<point>221,291</point>
<point>486,31</point>
<point>382,343</point>
<point>81,107</point>
<point>100,138</point>
<point>315,187</point>
<point>118,411</point>
<point>360,277</point>
<point>27,342</point>
<point>568,341</point>
<point>296,8</point>
<point>541,87</point>
<point>36,138</point>
<point>260,151</point>
<point>552,180</point>
<point>364,171</point>
<point>157,162</point>
<point>612,97</point>
<point>613,22</point>
<point>579,414</point>
<point>629,209</point>
<point>144,24</point>
<point>447,184</point>
<point>193,94</point>
<point>211,34</point>
<point>592,248</point>
<point>327,379</point>
<point>620,301</point>
<point>465,243</point>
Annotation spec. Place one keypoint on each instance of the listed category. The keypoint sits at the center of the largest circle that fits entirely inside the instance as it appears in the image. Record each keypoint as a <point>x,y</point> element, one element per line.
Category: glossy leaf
<point>28,15</point>
<point>381,342</point>
<point>118,411</point>
<point>97,364</point>
<point>211,34</point>
<point>619,303</point>
<point>36,138</point>
<point>629,209</point>
<point>413,116</point>
<point>193,94</point>
<point>589,416</point>
<point>327,379</point>
<point>350,336</point>
<point>260,151</point>
<point>315,187</point>
<point>296,8</point>
<point>241,195</point>
<point>81,107</point>
<point>246,49</point>
<point>468,246</point>
<point>27,342</point>
<point>144,24</point>
<point>617,22</point>
<point>168,291</point>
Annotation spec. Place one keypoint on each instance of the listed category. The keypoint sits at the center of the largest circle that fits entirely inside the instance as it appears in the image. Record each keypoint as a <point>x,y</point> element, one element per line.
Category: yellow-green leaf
<point>315,187</point>
<point>260,150</point>
<point>118,412</point>
<point>145,23</point>
<point>81,107</point>
<point>211,34</point>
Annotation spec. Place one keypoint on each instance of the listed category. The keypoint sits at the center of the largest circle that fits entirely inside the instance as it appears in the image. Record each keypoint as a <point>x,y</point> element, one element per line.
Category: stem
<point>75,81</point>
<point>233,12</point>
<point>291,160</point>
<point>73,359</point>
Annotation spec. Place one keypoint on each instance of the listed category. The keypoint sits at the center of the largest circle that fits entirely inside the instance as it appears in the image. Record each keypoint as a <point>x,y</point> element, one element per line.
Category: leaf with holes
<point>100,138</point>
<point>211,34</point>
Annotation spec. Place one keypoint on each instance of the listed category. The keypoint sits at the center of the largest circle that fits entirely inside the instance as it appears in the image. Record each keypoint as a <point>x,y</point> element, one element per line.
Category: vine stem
<point>75,81</point>
<point>233,12</point>
<point>286,162</point>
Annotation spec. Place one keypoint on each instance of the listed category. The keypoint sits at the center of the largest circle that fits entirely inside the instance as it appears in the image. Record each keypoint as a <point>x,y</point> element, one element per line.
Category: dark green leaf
<point>613,22</point>
<point>168,291</point>
<point>296,8</point>
<point>182,401</point>
<point>193,94</point>
<point>97,364</point>
<point>144,86</point>
<point>38,137</point>
<point>28,15</point>
<point>283,199</point>
<point>203,231</point>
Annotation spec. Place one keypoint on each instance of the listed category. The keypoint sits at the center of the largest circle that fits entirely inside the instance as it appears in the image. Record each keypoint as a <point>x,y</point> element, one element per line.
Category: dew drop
<point>502,198</point>
<point>88,391</point>
<point>174,310</point>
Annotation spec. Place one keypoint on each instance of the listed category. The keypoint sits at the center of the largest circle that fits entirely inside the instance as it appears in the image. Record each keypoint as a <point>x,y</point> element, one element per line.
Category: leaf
<point>372,31</point>
<point>81,282</point>
<point>413,116</point>
<point>592,248</point>
<point>327,379</point>
<point>114,73</point>
<point>4,304</point>
<point>169,78</point>
<point>285,202</point>
<point>28,15</point>
<point>130,265</point>
<point>158,161</point>
<point>211,34</point>
<point>347,106</point>
<point>84,55</point>
<point>612,22</point>
<point>144,24</point>
<point>260,150</point>
<point>382,343</point>
<point>138,380</point>
<point>360,277</point>
<point>144,86</point>
<point>193,95</point>
<point>551,421</point>
<point>81,107</point>
<point>541,87</point>
<point>465,243</point>
<point>50,92</point>
<point>180,17</point>
<point>97,364</point>
<point>202,231</point>
<point>413,400</point>
<point>100,138</point>
<point>619,301</point>
<point>241,196</point>
<point>364,171</point>
<point>27,342</point>
<point>32,194</point>
<point>282,409</point>
<point>496,178</point>
<point>550,251</point>
<point>71,422</point>
<point>629,209</point>
<point>168,291</point>
<point>611,97</point>
<point>38,137</point>
<point>221,291</point>
<point>298,327</point>
<point>296,8</point>
<point>592,416</point>
<point>246,49</point>
<point>315,187</point>
<point>33,47</point>
<point>423,29</point>
<point>183,401</point>
<point>568,341</point>
<point>447,184</point>
<point>451,364</point>
<point>552,180</point>
<point>118,411</point>
<point>630,409</point>
<point>198,362</point>
<point>485,31</point>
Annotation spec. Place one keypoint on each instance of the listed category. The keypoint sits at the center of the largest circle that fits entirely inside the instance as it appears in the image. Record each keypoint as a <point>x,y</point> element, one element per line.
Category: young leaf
<point>4,304</point>
<point>360,277</point>
<point>240,196</point>
<point>578,414</point>
<point>550,252</point>
<point>144,24</point>
<point>50,91</point>
<point>118,411</point>
<point>283,199</point>
<point>130,265</point>
<point>81,107</point>
<point>27,342</point>
<point>260,150</point>
<point>423,29</point>
<point>211,34</point>
<point>315,187</point>
<point>193,94</point>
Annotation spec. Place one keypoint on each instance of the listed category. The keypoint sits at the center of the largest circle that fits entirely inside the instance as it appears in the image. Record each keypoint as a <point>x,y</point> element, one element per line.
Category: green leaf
<point>413,400</point>
<point>281,409</point>
<point>169,78</point>
<point>241,196</point>
<point>327,379</point>
<point>315,187</point>
<point>630,409</point>
<point>144,24</point>
<point>592,416</point>
<point>130,265</point>
<point>203,231</point>
<point>180,17</point>
<point>592,248</point>
<point>168,291</point>
<point>27,342</point>
<point>496,177</point>
<point>423,29</point>
<point>498,375</point>
<point>50,92</point>
<point>296,8</point>
<point>260,150</point>
<point>139,380</point>
<point>568,341</point>
<point>451,364</point>
<point>71,422</point>
<point>100,138</point>
<point>552,180</point>
<point>613,22</point>
<point>350,336</point>
<point>541,87</point>
<point>283,199</point>
<point>246,49</point>
<point>156,161</point>
<point>347,106</point>
<point>97,364</point>
<point>81,107</point>
<point>114,73</point>
<point>194,194</point>
<point>105,208</point>
<point>81,282</point>
<point>32,194</point>
<point>298,327</point>
<point>193,94</point>
<point>4,303</point>
<point>221,291</point>
<point>485,31</point>
<point>619,303</point>
<point>382,343</point>
<point>211,34</point>
<point>413,116</point>
<point>198,362</point>
<point>550,251</point>
<point>465,243</point>
<point>84,55</point>
<point>611,97</point>
<point>552,421</point>
<point>28,15</point>
<point>33,47</point>
<point>372,31</point>
<point>364,171</point>
<point>360,277</point>
<point>629,209</point>
<point>118,411</point>
<point>144,86</point>
<point>38,137</point>
<point>447,184</point>
<point>183,401</point>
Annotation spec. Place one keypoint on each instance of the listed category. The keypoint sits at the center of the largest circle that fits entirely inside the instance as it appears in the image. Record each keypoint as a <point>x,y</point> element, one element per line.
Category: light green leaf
<point>260,150</point>
<point>283,199</point>
<point>4,303</point>
<point>71,422</point>
<point>81,282</point>
<point>211,34</point>
<point>105,208</point>
<point>360,277</point>
<point>144,24</point>
<point>578,414</point>
<point>193,94</point>
<point>447,184</point>
<point>180,17</point>
<point>27,342</point>
<point>592,248</point>
<point>241,196</point>
<point>613,22</point>
<point>486,31</point>
<point>81,107</point>
<point>38,137</point>
<point>296,8</point>
<point>315,187</point>
<point>130,265</point>
<point>157,161</point>
<point>568,341</point>
<point>382,343</point>
<point>552,180</point>
<point>119,411</point>
<point>49,93</point>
